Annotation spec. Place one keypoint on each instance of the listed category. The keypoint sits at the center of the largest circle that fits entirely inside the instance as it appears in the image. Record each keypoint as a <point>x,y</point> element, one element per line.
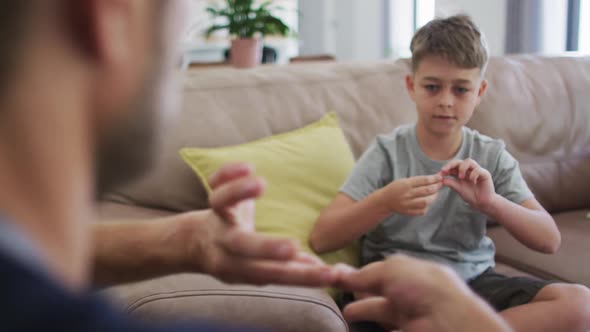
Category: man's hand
<point>471,181</point>
<point>417,296</point>
<point>222,241</point>
<point>410,196</point>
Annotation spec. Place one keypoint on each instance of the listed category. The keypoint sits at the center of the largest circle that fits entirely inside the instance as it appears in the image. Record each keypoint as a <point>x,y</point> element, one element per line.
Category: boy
<point>426,190</point>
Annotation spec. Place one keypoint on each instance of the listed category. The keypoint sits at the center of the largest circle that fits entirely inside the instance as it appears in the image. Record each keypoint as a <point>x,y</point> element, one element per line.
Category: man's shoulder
<point>31,301</point>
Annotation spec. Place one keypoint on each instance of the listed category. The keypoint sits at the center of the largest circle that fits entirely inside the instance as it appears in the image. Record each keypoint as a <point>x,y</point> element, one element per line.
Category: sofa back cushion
<point>228,106</point>
<point>538,105</point>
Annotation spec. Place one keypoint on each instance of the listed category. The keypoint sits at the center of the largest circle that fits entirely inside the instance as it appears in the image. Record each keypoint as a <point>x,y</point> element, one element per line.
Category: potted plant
<point>246,23</point>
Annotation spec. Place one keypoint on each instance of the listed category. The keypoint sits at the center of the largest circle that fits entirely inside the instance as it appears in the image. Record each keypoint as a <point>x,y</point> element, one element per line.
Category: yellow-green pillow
<point>304,170</point>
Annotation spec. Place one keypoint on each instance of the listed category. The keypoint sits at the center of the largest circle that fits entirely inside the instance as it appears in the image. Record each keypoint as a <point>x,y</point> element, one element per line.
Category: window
<point>405,17</point>
<point>584,28</point>
<point>423,12</point>
<point>578,29</point>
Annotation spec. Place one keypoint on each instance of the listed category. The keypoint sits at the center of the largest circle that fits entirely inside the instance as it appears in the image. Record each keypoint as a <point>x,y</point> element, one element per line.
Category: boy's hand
<point>471,181</point>
<point>410,196</point>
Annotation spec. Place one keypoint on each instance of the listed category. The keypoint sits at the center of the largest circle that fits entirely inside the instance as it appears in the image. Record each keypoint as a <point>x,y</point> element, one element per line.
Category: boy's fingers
<point>452,183</point>
<point>422,203</point>
<point>453,172</point>
<point>416,212</point>
<point>467,165</point>
<point>425,180</point>
<point>450,165</point>
<point>463,168</point>
<point>229,172</point>
<point>474,176</point>
<point>426,190</point>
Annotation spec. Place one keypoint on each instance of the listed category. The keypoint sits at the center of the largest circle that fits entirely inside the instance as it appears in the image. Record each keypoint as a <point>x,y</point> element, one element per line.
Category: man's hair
<point>455,38</point>
<point>14,23</point>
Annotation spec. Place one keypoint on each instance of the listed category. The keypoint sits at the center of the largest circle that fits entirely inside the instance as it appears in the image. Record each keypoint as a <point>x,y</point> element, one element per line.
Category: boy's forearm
<point>339,227</point>
<point>533,228</point>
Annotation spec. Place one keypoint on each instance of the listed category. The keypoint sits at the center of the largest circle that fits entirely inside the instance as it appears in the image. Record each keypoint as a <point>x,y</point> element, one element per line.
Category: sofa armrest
<point>187,297</point>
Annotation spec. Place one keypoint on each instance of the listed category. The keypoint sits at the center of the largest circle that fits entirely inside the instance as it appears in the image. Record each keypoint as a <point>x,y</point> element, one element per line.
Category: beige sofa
<point>539,105</point>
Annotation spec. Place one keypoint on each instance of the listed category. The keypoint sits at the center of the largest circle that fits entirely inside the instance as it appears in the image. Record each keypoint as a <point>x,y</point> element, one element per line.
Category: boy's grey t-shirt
<point>451,232</point>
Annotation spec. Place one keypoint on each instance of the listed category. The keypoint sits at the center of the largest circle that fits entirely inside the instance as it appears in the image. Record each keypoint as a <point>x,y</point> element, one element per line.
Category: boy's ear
<point>482,89</point>
<point>410,85</point>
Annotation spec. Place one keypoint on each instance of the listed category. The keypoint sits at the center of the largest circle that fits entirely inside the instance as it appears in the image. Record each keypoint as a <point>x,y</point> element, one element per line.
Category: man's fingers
<point>307,258</point>
<point>260,272</point>
<point>368,279</point>
<point>230,172</point>
<point>342,272</point>
<point>229,194</point>
<point>253,245</point>
<point>375,309</point>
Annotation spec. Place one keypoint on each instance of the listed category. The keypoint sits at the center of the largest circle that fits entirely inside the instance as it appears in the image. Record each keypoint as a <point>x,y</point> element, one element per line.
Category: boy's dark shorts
<point>503,292</point>
<point>500,291</point>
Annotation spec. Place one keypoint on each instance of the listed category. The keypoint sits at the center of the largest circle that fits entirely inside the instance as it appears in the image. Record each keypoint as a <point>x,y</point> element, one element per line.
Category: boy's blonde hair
<point>455,38</point>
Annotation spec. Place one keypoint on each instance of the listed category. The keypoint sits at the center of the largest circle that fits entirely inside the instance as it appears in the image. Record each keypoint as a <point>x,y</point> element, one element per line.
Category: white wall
<point>489,15</point>
<point>317,27</point>
<point>349,29</point>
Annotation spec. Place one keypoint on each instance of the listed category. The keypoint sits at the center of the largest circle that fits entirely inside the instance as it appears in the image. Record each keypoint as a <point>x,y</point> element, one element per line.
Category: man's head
<point>449,58</point>
<point>118,53</point>
<point>127,143</point>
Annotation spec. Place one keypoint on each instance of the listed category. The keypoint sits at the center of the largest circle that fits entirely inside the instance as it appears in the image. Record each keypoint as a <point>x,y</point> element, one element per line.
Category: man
<point>79,86</point>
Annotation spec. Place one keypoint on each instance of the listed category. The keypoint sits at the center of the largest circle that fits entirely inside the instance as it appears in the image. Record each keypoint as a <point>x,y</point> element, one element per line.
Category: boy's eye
<point>431,87</point>
<point>461,90</point>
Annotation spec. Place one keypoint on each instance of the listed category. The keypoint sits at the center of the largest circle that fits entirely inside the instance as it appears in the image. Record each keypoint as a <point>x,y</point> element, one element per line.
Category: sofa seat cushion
<point>195,296</point>
<point>187,297</point>
<point>569,264</point>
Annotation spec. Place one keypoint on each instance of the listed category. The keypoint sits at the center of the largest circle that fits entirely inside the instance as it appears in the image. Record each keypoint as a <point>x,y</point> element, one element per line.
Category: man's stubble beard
<point>127,150</point>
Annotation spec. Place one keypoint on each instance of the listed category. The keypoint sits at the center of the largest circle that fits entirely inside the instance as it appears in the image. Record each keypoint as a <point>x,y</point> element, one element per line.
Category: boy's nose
<point>446,99</point>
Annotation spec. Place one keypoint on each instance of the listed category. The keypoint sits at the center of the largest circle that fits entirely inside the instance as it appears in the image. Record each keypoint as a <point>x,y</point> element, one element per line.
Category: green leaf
<point>245,20</point>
